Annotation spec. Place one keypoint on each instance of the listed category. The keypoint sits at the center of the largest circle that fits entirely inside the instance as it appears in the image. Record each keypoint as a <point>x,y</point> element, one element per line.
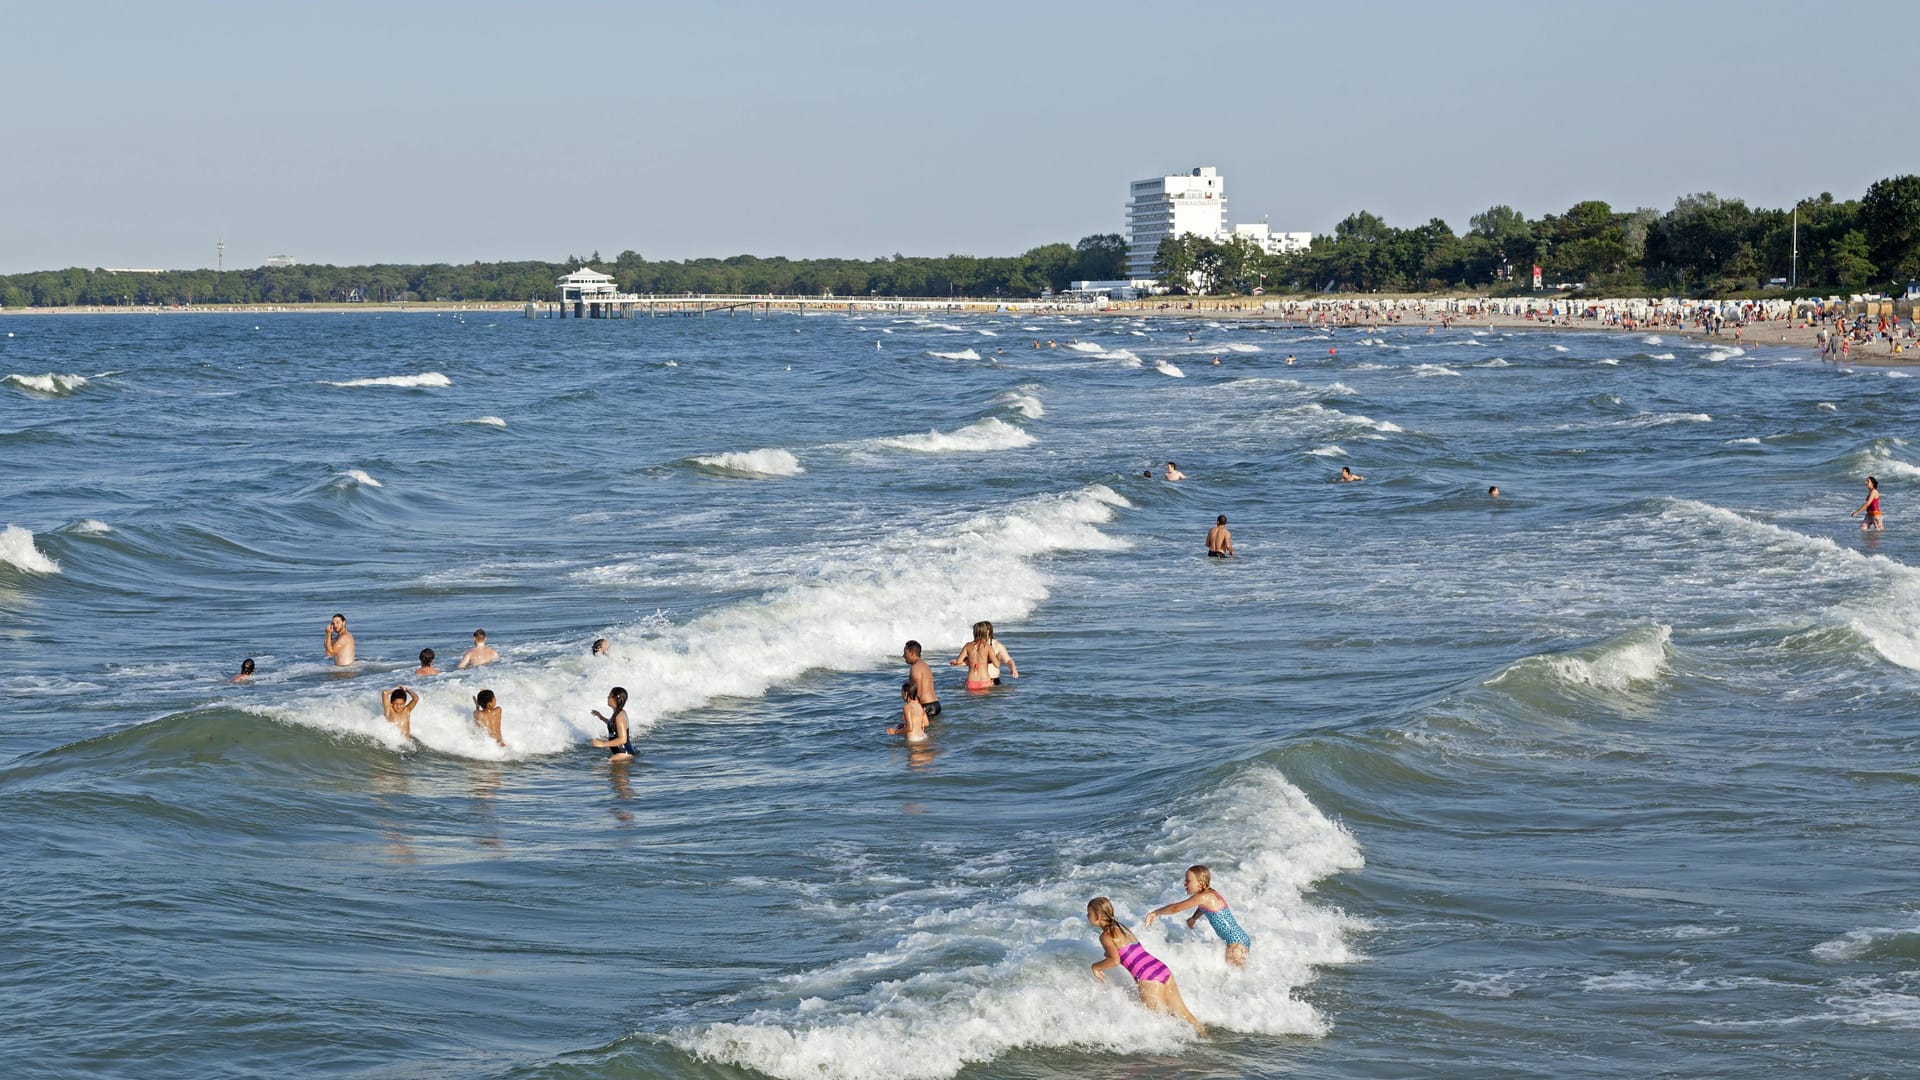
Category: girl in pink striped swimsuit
<point>1158,991</point>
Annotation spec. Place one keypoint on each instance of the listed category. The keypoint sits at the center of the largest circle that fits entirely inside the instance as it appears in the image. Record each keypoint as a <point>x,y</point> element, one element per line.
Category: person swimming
<point>398,707</point>
<point>1202,896</point>
<point>1871,508</point>
<point>487,713</point>
<point>1348,476</point>
<point>1158,990</point>
<point>1174,474</point>
<point>246,671</point>
<point>913,718</point>
<point>426,664</point>
<point>599,647</point>
<point>619,740</point>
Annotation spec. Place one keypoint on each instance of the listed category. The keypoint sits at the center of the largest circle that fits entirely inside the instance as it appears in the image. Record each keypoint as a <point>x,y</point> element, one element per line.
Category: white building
<point>1164,206</point>
<point>281,260</point>
<point>1273,243</point>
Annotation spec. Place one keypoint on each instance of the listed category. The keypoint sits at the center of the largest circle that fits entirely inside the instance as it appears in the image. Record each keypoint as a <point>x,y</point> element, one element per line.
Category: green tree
<point>1891,214</point>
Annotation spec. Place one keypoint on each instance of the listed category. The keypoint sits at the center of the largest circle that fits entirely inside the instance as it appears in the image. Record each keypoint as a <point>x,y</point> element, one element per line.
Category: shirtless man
<point>481,653</point>
<point>398,706</point>
<point>1219,540</point>
<point>1174,474</point>
<point>339,641</point>
<point>922,678</point>
<point>1348,476</point>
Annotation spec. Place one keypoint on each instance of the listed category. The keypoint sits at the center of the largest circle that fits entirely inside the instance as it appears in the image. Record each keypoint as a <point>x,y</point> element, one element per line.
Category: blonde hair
<point>1203,875</point>
<point>982,630</point>
<point>1101,909</point>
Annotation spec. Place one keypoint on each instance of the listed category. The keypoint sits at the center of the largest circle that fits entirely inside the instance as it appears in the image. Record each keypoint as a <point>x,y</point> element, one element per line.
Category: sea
<point>1613,774</point>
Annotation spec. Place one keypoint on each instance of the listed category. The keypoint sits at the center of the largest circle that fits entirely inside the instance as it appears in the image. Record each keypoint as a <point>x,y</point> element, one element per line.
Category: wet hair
<point>484,699</point>
<point>1494,490</point>
<point>913,647</point>
<point>426,657</point>
<point>1344,471</point>
<point>906,690</point>
<point>399,695</point>
<point>1101,909</point>
<point>1203,875</point>
<point>1222,519</point>
<point>619,697</point>
<point>246,666</point>
<point>599,646</point>
<point>1148,474</point>
<point>479,635</point>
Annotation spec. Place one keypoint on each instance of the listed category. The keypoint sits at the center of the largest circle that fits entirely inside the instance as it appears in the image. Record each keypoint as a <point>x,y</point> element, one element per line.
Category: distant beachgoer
<point>1871,508</point>
<point>913,718</point>
<point>481,653</point>
<point>339,641</point>
<point>426,667</point>
<point>246,671</point>
<point>1216,361</point>
<point>922,676</point>
<point>1219,540</point>
<point>1158,990</point>
<point>1289,358</point>
<point>599,647</point>
<point>1493,492</point>
<point>1348,476</point>
<point>619,740</point>
<point>398,707</point>
<point>486,713</point>
<point>1000,654</point>
<point>1201,896</point>
<point>1174,473</point>
<point>1148,474</point>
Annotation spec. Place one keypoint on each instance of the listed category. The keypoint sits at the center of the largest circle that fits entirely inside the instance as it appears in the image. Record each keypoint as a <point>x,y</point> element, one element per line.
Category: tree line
<point>1706,245</point>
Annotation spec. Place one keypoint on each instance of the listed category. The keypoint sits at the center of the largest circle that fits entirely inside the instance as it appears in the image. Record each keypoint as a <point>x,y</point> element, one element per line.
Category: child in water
<point>1158,991</point>
<point>398,707</point>
<point>913,717</point>
<point>618,743</point>
<point>1202,897</point>
<point>486,713</point>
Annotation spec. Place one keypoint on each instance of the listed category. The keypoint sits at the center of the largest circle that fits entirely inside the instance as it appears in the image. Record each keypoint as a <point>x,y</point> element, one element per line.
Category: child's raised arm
<point>1175,908</point>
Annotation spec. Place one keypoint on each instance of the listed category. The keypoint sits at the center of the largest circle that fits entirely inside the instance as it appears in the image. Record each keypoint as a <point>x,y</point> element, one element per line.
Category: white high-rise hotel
<point>1194,204</point>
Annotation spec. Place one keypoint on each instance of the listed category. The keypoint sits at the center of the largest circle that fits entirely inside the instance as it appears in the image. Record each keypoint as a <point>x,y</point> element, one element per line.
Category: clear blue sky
<point>133,134</point>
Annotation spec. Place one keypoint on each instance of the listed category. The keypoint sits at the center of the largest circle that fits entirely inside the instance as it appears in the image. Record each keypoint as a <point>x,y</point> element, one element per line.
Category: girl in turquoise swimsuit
<point>1200,896</point>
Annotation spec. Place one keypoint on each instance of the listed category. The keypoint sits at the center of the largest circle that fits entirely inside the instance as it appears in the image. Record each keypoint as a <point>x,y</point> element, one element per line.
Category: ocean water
<point>1614,775</point>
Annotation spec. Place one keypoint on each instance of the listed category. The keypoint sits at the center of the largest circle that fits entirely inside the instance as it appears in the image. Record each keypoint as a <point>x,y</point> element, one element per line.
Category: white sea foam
<point>1497,984</point>
<point>92,527</point>
<point>963,354</point>
<point>354,477</point>
<point>1025,404</point>
<point>844,615</point>
<point>770,462</point>
<point>1329,450</point>
<point>1623,663</point>
<point>1663,356</point>
<point>17,551</point>
<point>988,333</point>
<point>1724,352</point>
<point>1498,361</point>
<point>488,421</point>
<point>1609,361</point>
<point>1085,346</point>
<point>1427,370</point>
<point>1654,339</point>
<point>1240,347</point>
<point>901,1012</point>
<point>1827,406</point>
<point>1559,348</point>
<point>1751,440</point>
<point>990,433</point>
<point>1168,369</point>
<point>1667,419</point>
<point>425,379</point>
<point>1898,375</point>
<point>51,384</point>
<point>1867,941</point>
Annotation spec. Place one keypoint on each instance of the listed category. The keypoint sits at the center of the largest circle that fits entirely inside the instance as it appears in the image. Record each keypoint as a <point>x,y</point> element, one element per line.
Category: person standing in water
<point>1174,474</point>
<point>913,718</point>
<point>398,707</point>
<point>1000,654</point>
<point>619,740</point>
<point>977,656</point>
<point>922,678</point>
<point>1871,508</point>
<point>426,667</point>
<point>1202,897</point>
<point>1158,990</point>
<point>1219,540</point>
<point>481,653</point>
<point>246,671</point>
<point>486,713</point>
<point>339,641</point>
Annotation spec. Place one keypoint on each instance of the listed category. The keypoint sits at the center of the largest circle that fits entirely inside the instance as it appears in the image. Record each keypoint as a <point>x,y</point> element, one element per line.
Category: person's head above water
<point>399,695</point>
<point>599,646</point>
<point>1222,519</point>
<point>1202,877</point>
<point>906,690</point>
<point>1494,491</point>
<point>340,620</point>
<point>246,666</point>
<point>484,699</point>
<point>1344,471</point>
<point>617,697</point>
<point>479,637</point>
<point>426,657</point>
<point>982,631</point>
<point>911,651</point>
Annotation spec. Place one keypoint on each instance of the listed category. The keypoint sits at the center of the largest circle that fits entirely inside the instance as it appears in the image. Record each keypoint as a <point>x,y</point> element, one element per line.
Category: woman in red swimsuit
<point>1871,508</point>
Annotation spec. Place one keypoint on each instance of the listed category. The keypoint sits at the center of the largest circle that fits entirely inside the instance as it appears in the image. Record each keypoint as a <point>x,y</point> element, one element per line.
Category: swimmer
<point>339,641</point>
<point>1219,540</point>
<point>1216,361</point>
<point>913,718</point>
<point>246,671</point>
<point>619,741</point>
<point>1174,474</point>
<point>1202,897</point>
<point>486,713</point>
<point>398,707</point>
<point>922,676</point>
<point>481,653</point>
<point>426,667</point>
<point>1289,358</point>
<point>1158,990</point>
<point>1348,476</point>
<point>1493,492</point>
<point>1148,474</point>
<point>1871,508</point>
<point>599,647</point>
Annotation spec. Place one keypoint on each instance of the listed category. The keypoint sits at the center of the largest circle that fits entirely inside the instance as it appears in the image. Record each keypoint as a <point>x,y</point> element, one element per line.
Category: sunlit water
<point>1614,775</point>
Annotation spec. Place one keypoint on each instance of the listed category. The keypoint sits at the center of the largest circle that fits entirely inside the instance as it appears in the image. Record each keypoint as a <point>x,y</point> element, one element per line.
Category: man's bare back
<point>1219,540</point>
<point>481,653</point>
